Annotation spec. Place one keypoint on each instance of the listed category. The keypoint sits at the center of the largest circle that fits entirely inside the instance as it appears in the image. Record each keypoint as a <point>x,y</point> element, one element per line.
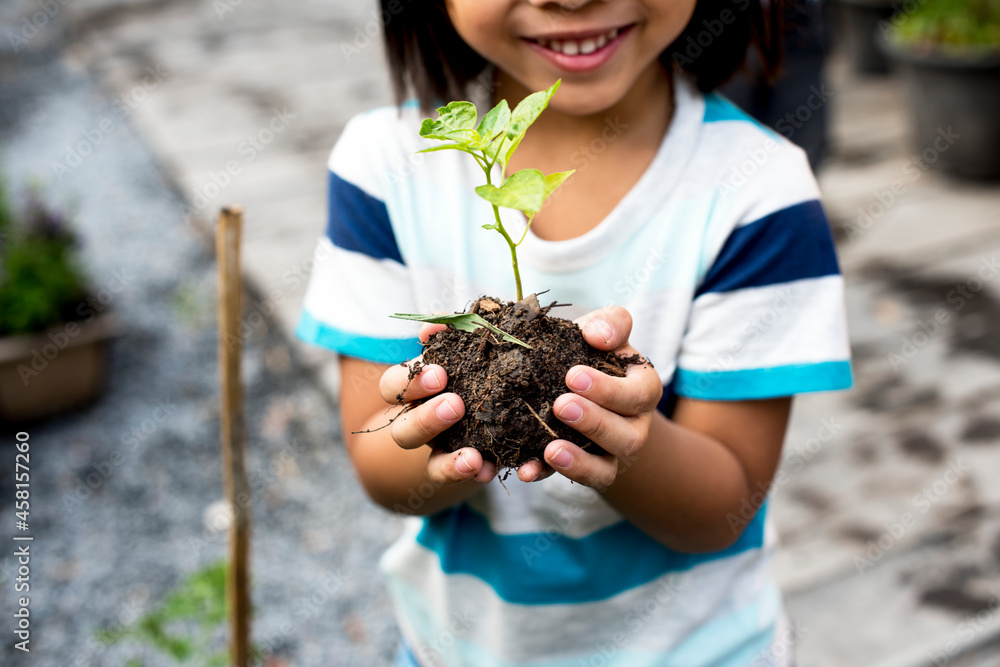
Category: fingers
<point>396,386</point>
<point>425,422</point>
<point>427,330</point>
<point>618,435</point>
<point>533,471</point>
<point>636,393</point>
<point>458,466</point>
<point>597,472</point>
<point>607,328</point>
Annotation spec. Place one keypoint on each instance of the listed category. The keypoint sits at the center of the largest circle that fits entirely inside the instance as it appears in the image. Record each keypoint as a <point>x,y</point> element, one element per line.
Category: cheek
<point>671,18</point>
<point>478,22</point>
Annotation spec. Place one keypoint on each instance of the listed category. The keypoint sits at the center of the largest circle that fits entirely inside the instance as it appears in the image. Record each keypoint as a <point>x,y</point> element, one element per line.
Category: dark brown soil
<point>509,390</point>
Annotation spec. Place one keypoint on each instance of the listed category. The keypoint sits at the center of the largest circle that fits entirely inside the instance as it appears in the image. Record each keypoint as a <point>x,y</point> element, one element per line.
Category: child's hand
<point>615,413</point>
<point>419,426</point>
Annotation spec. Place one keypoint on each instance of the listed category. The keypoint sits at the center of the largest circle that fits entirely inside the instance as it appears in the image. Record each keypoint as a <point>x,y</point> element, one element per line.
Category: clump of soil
<point>509,390</point>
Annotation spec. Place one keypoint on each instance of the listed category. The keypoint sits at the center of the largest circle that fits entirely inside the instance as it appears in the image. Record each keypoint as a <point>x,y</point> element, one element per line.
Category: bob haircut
<point>429,60</point>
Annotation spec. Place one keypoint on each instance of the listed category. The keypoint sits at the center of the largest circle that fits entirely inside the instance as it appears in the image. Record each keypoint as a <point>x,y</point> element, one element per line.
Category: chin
<point>585,100</point>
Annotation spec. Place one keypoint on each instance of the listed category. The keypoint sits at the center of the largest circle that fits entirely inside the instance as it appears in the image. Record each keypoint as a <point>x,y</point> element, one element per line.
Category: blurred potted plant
<point>52,342</point>
<point>860,27</point>
<point>949,53</point>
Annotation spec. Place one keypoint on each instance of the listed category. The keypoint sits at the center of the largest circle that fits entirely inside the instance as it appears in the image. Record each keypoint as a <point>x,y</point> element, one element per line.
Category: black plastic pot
<point>860,32</point>
<point>955,106</point>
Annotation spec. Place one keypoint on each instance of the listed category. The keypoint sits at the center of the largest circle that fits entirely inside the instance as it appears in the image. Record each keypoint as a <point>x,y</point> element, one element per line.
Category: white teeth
<point>584,46</point>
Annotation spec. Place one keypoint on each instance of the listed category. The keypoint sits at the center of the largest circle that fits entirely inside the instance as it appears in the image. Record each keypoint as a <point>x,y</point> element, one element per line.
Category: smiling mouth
<point>580,46</point>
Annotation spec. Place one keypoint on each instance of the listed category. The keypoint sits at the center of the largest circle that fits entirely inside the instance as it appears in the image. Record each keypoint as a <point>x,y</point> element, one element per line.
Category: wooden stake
<point>234,473</point>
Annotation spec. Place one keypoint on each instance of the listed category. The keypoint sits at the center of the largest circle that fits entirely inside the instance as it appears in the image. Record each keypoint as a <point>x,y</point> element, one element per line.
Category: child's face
<point>599,48</point>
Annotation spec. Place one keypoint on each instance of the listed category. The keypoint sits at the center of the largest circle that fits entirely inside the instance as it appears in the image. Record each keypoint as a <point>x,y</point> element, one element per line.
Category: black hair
<point>429,60</point>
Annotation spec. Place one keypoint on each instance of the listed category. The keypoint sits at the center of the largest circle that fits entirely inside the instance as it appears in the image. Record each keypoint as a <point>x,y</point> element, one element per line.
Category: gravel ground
<point>104,555</point>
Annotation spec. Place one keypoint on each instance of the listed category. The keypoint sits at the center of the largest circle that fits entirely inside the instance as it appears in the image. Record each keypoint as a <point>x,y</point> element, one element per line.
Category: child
<point>689,234</point>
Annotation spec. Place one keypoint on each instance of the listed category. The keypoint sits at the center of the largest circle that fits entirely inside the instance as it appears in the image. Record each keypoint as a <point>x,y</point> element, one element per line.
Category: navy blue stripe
<point>549,568</point>
<point>791,244</point>
<point>359,222</point>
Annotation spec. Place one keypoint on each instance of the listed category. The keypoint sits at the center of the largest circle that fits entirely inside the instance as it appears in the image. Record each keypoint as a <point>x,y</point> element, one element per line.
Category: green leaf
<point>463,322</point>
<point>524,191</point>
<point>553,181</point>
<point>495,121</point>
<point>455,123</point>
<point>446,147</point>
<point>489,226</point>
<point>493,128</point>
<point>525,113</point>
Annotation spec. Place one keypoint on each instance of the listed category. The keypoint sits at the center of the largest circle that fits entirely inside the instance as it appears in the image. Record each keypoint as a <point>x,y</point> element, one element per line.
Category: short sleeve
<point>768,318</point>
<point>359,277</point>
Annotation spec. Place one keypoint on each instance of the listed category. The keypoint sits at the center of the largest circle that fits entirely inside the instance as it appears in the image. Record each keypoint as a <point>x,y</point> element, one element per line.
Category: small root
<point>406,408</point>
<point>540,421</point>
<point>414,372</point>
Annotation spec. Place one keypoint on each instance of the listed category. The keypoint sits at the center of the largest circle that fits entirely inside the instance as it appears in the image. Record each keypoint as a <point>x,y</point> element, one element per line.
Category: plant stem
<point>513,251</point>
<point>526,228</point>
<point>510,241</point>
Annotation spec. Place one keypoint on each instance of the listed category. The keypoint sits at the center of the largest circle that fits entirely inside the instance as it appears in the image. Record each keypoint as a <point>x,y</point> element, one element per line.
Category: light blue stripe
<point>755,383</point>
<point>404,657</point>
<point>718,108</point>
<point>548,568</point>
<point>381,350</point>
<point>733,640</point>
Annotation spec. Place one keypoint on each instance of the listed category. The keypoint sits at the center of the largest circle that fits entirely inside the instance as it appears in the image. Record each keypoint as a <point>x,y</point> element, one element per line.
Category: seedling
<point>491,144</point>
<point>508,390</point>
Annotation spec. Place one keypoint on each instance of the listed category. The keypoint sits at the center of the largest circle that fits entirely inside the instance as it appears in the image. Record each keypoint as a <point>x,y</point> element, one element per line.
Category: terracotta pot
<point>44,374</point>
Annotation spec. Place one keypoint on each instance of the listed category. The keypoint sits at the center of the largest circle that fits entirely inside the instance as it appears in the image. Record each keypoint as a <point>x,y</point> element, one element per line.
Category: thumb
<point>607,328</point>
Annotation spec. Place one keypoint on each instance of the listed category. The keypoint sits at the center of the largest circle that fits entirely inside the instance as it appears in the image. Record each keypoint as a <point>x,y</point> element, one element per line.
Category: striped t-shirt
<point>722,254</point>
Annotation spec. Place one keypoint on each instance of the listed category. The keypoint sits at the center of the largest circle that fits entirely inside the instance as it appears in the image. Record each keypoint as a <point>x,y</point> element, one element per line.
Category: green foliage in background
<point>951,25</point>
<point>185,624</point>
<point>41,284</point>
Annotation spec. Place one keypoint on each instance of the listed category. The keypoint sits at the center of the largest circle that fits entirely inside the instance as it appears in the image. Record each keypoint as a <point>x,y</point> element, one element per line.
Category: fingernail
<point>445,412</point>
<point>485,473</point>
<point>571,413</point>
<point>580,381</point>
<point>602,329</point>
<point>431,381</point>
<point>463,465</point>
<point>562,458</point>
